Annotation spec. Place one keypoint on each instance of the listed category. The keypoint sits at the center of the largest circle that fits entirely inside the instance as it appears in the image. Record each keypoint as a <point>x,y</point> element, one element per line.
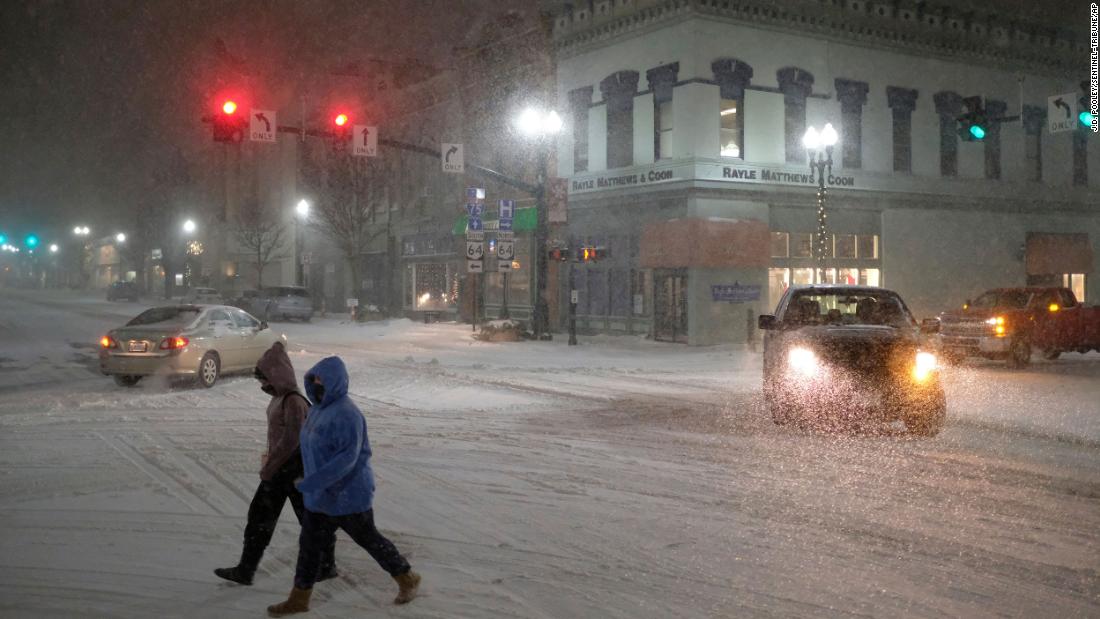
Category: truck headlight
<point>925,365</point>
<point>803,362</point>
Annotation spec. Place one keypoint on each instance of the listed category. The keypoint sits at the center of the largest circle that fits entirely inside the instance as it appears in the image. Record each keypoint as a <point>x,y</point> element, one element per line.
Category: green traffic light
<point>1086,118</point>
<point>3,239</point>
<point>31,241</point>
<point>977,131</point>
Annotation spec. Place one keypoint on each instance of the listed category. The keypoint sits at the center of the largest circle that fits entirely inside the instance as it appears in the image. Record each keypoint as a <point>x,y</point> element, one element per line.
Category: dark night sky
<point>95,95</point>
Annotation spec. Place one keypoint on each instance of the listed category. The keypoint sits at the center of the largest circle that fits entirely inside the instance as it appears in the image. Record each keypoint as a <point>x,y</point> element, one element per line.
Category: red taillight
<point>174,343</point>
<point>107,342</point>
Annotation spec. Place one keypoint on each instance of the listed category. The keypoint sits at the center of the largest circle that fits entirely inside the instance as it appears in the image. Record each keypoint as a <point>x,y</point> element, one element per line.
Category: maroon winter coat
<point>285,414</point>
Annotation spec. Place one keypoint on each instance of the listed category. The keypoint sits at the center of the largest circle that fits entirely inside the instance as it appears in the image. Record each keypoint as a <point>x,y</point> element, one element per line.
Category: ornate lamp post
<point>541,125</point>
<point>819,151</point>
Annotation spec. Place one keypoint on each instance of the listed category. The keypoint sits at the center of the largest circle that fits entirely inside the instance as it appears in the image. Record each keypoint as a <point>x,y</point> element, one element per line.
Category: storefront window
<point>868,246</point>
<point>869,277</point>
<point>849,277</point>
<point>802,276</point>
<point>778,282</point>
<point>431,286</point>
<point>639,291</point>
<point>826,276</point>
<point>597,292</point>
<point>844,245</point>
<point>780,248</point>
<point>1076,283</point>
<point>620,292</point>
<point>802,245</point>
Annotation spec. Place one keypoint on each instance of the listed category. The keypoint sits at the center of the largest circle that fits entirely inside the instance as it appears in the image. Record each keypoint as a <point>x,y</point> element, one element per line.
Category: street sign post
<point>1062,113</point>
<point>506,253</point>
<point>365,141</point>
<point>452,159</point>
<point>261,126</point>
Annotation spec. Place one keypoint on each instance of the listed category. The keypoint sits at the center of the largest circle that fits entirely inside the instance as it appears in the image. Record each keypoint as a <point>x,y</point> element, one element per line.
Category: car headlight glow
<point>925,365</point>
<point>803,361</point>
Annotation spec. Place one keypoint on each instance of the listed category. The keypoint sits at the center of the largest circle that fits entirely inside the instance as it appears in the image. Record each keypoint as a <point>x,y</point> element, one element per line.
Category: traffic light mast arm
<point>493,174</point>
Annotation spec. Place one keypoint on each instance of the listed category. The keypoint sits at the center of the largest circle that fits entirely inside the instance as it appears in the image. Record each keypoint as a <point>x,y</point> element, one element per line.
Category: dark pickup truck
<point>1011,323</point>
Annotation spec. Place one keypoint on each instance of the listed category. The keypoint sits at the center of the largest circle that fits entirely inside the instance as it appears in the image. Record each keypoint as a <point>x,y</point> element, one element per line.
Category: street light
<point>120,237</point>
<point>819,147</point>
<point>53,248</point>
<point>302,212</point>
<point>189,226</point>
<point>540,125</point>
<point>82,230</point>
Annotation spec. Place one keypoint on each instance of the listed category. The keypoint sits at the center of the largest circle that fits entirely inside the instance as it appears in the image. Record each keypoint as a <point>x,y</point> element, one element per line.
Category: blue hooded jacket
<point>335,449</point>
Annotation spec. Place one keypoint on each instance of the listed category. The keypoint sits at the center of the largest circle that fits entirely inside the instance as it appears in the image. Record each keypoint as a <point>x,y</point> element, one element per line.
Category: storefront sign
<point>735,293</point>
<point>708,171</point>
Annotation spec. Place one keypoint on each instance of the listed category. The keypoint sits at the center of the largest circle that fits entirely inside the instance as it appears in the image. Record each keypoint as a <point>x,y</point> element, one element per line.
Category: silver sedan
<point>200,341</point>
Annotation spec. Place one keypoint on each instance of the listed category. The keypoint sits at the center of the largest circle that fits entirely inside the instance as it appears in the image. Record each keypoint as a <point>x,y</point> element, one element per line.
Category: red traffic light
<point>341,120</point>
<point>558,254</point>
<point>229,107</point>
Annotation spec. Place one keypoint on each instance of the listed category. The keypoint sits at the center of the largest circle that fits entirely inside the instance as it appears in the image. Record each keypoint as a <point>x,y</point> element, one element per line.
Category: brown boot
<point>298,602</point>
<point>409,582</point>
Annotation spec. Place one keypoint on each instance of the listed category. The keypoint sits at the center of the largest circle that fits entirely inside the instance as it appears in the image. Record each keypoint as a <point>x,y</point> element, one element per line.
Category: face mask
<point>319,393</point>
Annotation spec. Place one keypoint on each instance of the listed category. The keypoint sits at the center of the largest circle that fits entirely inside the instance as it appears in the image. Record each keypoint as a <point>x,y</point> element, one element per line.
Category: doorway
<point>670,317</point>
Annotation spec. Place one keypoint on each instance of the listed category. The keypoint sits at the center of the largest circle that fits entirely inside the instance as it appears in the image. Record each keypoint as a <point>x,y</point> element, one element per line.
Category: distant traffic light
<point>591,253</point>
<point>1085,116</point>
<point>229,126</point>
<point>3,240</point>
<point>559,254</point>
<point>341,129</point>
<point>31,241</point>
<point>974,123</point>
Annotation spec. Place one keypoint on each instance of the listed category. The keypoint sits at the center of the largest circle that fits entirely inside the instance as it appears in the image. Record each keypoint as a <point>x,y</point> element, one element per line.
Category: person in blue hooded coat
<point>337,488</point>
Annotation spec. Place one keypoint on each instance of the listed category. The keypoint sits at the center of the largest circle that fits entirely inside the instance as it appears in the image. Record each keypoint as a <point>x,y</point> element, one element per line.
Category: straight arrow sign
<point>365,143</point>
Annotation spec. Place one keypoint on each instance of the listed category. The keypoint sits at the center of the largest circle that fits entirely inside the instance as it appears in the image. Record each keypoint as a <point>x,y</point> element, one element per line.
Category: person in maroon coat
<point>282,465</point>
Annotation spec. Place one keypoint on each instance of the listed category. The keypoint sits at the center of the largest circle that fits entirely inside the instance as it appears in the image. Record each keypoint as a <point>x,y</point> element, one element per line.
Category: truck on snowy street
<point>1012,323</point>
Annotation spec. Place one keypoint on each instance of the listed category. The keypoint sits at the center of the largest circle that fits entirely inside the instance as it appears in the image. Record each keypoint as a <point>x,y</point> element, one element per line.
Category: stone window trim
<point>580,99</point>
<point>852,95</point>
<point>661,81</point>
<point>1034,119</point>
<point>796,84</point>
<point>619,89</point>
<point>732,76</point>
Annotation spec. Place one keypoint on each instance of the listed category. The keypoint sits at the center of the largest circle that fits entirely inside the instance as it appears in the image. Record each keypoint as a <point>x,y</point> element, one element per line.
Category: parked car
<point>284,303</point>
<point>202,296</point>
<point>245,300</point>
<point>123,290</point>
<point>842,354</point>
<point>202,341</point>
<point>1011,323</point>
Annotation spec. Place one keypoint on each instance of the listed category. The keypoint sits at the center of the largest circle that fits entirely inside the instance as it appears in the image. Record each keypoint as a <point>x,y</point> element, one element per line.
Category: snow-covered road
<point>620,478</point>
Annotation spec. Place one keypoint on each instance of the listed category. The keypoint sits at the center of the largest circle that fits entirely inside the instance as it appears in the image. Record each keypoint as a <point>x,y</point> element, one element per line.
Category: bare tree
<point>344,211</point>
<point>260,235</point>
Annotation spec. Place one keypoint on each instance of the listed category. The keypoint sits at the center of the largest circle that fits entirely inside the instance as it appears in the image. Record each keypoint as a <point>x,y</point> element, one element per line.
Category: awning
<point>525,220</point>
<point>1055,254</point>
<point>711,243</point>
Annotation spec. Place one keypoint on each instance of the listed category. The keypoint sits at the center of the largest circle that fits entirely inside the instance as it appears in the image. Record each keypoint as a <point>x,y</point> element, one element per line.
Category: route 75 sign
<point>365,141</point>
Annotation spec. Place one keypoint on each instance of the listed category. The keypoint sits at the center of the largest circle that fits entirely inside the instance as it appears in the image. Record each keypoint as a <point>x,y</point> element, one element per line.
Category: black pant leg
<point>263,514</point>
<point>317,529</point>
<point>293,470</point>
<point>360,527</point>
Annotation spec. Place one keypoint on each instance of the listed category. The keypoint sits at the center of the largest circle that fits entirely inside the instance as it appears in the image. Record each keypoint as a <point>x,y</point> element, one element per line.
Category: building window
<point>640,291</point>
<point>902,102</point>
<point>661,81</point>
<point>796,85</point>
<point>1033,121</point>
<point>995,109</point>
<point>802,276</point>
<point>844,245</point>
<point>802,245</point>
<point>869,277</point>
<point>662,130</point>
<point>780,248</point>
<point>1080,157</point>
<point>867,246</point>
<point>431,286</point>
<point>597,291</point>
<point>620,291</point>
<point>732,131</point>
<point>618,91</point>
<point>852,96</point>
<point>579,101</point>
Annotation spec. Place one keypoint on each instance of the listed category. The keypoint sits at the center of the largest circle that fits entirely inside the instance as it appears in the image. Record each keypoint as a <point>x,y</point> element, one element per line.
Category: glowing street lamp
<point>120,237</point>
<point>819,147</point>
<point>302,209</point>
<point>189,226</point>
<point>53,248</point>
